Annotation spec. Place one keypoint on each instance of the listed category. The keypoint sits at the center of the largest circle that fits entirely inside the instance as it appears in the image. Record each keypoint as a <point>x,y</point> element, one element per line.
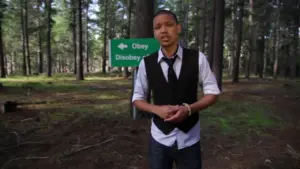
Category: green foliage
<point>190,14</point>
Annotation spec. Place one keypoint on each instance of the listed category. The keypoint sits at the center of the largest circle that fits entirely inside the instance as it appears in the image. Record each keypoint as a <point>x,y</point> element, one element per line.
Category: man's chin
<point>165,44</point>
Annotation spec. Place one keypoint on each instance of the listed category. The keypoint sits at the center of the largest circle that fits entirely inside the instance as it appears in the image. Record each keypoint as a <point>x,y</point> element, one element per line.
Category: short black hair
<point>164,11</point>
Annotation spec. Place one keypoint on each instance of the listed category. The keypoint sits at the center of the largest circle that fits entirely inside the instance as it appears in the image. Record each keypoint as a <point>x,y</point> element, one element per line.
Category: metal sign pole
<point>134,110</point>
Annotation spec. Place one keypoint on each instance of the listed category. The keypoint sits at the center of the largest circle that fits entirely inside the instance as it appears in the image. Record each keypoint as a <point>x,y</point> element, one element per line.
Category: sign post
<point>129,53</point>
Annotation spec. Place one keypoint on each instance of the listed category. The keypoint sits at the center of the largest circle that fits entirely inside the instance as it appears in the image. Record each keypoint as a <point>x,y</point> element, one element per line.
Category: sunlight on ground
<point>61,77</point>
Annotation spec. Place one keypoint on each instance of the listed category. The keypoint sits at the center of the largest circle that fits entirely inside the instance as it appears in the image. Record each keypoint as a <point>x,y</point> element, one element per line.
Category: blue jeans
<point>162,157</point>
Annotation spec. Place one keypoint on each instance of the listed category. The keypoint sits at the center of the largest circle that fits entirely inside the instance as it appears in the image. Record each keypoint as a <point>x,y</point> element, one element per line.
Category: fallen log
<point>11,106</point>
<point>8,106</point>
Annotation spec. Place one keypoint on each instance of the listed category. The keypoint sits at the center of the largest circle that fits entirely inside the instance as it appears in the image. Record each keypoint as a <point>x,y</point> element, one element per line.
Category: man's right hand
<point>165,111</point>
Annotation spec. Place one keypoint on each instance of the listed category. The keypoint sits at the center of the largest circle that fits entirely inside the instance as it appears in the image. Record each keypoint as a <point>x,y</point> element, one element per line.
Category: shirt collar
<point>161,55</point>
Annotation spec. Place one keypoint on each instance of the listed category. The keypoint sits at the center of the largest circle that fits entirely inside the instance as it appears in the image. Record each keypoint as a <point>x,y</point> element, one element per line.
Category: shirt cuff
<point>214,92</point>
<point>137,96</point>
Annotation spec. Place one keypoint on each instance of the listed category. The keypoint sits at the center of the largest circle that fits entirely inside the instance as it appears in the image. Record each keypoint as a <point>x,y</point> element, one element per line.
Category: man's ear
<point>179,28</point>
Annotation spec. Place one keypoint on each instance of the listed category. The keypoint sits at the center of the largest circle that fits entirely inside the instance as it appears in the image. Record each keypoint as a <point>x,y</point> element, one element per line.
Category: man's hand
<point>181,114</point>
<point>166,111</point>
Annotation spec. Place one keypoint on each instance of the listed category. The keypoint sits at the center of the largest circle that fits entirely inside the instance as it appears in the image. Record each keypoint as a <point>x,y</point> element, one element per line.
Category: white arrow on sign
<point>122,46</point>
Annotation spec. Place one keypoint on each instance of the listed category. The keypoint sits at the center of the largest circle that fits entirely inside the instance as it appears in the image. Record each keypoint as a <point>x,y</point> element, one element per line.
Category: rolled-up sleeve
<point>206,77</point>
<point>140,90</point>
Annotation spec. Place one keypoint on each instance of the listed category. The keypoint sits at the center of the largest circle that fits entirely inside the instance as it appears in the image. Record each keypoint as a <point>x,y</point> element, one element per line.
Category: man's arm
<point>210,89</point>
<point>210,86</point>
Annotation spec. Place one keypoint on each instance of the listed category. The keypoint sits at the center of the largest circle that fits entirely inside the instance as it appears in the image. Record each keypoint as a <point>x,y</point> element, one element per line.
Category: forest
<point>63,105</point>
<point>245,38</point>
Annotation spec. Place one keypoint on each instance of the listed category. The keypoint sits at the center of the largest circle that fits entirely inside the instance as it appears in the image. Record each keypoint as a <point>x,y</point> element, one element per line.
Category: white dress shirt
<point>206,77</point>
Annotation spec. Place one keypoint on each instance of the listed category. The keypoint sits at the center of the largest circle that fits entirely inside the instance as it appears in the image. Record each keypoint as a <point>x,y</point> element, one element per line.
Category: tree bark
<point>261,47</point>
<point>2,63</point>
<point>202,28</point>
<point>186,23</point>
<point>232,46</point>
<point>266,55</point>
<point>248,60</point>
<point>40,50</point>
<point>143,29</point>
<point>212,33</point>
<point>218,41</point>
<point>49,9</point>
<point>73,5</point>
<point>239,33</point>
<point>27,37</point>
<point>293,65</point>
<point>276,40</point>
<point>196,17</point>
<point>105,37</point>
<point>79,46</point>
<point>126,73</point>
<point>12,65</point>
<point>25,72</point>
<point>87,38</point>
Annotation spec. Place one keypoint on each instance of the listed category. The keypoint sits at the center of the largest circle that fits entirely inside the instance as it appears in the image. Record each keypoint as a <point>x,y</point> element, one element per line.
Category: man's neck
<point>170,50</point>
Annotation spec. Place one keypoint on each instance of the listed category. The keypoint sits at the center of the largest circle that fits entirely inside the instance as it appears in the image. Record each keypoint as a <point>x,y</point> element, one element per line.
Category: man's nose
<point>163,29</point>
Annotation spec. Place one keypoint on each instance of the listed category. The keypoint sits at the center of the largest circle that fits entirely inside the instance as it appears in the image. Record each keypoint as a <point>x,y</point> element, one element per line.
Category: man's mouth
<point>165,38</point>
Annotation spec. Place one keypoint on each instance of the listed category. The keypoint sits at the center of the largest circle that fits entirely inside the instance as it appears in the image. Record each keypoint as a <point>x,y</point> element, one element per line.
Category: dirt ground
<point>30,139</point>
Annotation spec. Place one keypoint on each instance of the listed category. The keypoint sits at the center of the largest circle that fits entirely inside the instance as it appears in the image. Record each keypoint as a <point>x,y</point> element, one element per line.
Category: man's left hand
<point>179,116</point>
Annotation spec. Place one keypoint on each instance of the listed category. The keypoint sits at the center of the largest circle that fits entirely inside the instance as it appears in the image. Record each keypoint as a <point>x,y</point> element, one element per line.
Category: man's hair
<point>167,12</point>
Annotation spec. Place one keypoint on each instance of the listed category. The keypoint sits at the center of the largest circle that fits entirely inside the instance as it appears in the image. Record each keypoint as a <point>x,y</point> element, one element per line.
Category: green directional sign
<point>129,52</point>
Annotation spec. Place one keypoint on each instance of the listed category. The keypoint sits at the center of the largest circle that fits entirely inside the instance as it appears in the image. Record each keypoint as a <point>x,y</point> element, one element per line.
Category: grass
<point>238,117</point>
<point>64,82</point>
<point>107,95</point>
<point>104,94</point>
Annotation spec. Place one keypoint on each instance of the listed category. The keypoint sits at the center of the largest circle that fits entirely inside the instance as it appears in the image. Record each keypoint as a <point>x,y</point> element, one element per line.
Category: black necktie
<point>172,79</point>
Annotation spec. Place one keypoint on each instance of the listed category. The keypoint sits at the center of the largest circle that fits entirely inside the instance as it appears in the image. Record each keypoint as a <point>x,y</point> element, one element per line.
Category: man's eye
<point>169,24</point>
<point>157,27</point>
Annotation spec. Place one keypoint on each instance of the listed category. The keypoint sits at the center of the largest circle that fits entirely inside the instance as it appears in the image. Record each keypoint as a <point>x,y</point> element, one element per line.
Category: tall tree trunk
<point>276,40</point>
<point>105,37</point>
<point>73,5</point>
<point>266,55</point>
<point>248,60</point>
<point>212,35</point>
<point>218,41</point>
<point>2,64</point>
<point>25,72</point>
<point>295,29</point>
<point>126,73</point>
<point>143,29</point>
<point>40,50</point>
<point>15,65</point>
<point>230,64</point>
<point>202,26</point>
<point>186,22</point>
<point>233,42</point>
<point>239,33</point>
<point>144,15</point>
<point>49,9</point>
<point>12,65</point>
<point>196,17</point>
<point>27,37</point>
<point>261,47</point>
<point>286,57</point>
<point>79,47</point>
<point>87,37</point>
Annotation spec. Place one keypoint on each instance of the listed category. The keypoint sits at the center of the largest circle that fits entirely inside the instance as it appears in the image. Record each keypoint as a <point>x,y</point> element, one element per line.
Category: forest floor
<point>87,124</point>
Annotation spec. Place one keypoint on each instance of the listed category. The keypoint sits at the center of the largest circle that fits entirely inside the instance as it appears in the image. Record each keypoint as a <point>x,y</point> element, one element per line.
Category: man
<point>172,75</point>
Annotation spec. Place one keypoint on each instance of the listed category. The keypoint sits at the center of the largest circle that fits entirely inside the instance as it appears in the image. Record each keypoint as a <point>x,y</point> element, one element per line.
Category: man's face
<point>166,29</point>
